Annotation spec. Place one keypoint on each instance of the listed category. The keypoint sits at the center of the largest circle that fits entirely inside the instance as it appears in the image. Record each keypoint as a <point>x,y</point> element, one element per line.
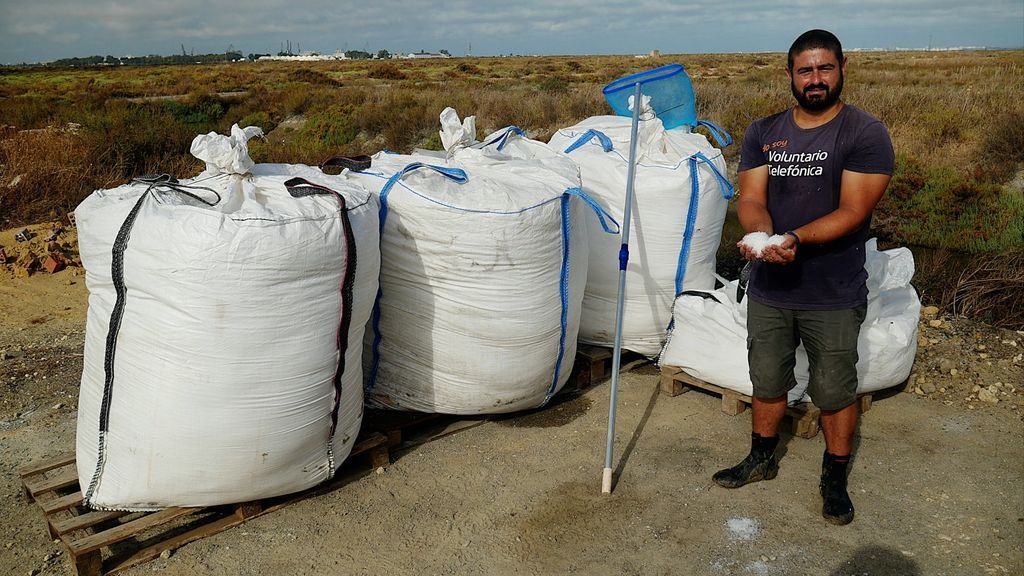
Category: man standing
<point>813,173</point>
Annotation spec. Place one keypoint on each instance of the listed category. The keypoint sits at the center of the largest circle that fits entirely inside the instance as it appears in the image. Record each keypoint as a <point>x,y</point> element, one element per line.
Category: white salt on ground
<point>758,241</point>
<point>743,528</point>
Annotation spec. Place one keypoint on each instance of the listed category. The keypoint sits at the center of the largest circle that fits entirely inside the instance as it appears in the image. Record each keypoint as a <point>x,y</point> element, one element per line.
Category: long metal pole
<point>606,478</point>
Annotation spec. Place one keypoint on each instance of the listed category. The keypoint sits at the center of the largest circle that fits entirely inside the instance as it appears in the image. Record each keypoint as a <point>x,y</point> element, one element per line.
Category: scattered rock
<point>166,554</point>
<point>945,365</point>
<point>928,387</point>
<point>935,323</point>
<point>986,395</point>
<point>929,311</point>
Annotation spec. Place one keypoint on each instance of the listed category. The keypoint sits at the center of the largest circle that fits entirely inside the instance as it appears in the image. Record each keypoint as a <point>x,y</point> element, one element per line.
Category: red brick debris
<point>53,264</point>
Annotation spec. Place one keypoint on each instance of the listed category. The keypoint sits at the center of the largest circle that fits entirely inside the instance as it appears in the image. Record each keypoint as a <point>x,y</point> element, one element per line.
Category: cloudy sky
<point>44,30</point>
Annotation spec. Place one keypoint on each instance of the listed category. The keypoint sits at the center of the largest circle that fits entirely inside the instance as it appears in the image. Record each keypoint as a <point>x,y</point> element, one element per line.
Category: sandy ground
<point>937,478</point>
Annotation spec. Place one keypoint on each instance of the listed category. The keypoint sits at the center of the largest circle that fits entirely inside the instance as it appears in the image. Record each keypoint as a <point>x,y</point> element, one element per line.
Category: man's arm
<point>752,206</point>
<point>858,196</point>
<point>859,193</point>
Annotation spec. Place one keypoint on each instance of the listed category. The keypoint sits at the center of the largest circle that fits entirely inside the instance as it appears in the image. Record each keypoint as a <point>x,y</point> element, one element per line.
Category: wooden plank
<point>864,402</point>
<point>63,479</point>
<point>127,530</point>
<point>733,402</point>
<point>87,520</point>
<point>62,503</point>
<point>594,353</point>
<point>369,442</point>
<point>89,564</point>
<point>85,551</point>
<point>804,417</point>
<point>246,510</point>
<point>150,552</point>
<point>47,465</point>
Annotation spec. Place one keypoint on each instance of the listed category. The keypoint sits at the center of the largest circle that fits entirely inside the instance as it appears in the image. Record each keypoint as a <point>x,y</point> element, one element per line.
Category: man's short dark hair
<point>815,39</point>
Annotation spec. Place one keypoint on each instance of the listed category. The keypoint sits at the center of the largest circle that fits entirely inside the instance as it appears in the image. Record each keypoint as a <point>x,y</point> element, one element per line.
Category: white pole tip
<point>606,481</point>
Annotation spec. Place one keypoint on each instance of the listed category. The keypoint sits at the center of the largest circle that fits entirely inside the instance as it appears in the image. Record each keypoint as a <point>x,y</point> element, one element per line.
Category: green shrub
<point>386,71</point>
<point>1000,151</point>
<point>328,129</point>
<point>261,119</point>
<point>467,68</point>
<point>314,77</point>
<point>202,112</point>
<point>553,84</point>
<point>942,208</point>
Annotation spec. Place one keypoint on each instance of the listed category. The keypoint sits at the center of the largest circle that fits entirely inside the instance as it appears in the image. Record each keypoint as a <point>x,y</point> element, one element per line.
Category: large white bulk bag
<point>680,201</point>
<point>224,331</point>
<point>484,259</point>
<point>709,335</point>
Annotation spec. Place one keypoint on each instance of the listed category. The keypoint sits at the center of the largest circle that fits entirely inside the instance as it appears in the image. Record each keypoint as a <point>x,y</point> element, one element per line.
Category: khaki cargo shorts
<point>830,338</point>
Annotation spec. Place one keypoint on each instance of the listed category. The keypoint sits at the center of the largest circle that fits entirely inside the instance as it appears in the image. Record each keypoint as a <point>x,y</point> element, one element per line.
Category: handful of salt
<point>758,241</point>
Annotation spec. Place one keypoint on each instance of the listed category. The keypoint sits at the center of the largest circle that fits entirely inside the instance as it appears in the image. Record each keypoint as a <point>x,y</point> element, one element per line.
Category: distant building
<point>421,54</point>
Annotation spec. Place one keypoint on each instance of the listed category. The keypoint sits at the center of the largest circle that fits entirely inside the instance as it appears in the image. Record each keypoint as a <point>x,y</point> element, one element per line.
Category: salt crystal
<point>758,241</point>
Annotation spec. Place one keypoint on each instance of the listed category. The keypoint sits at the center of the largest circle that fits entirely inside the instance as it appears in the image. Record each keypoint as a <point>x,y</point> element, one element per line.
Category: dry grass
<point>957,121</point>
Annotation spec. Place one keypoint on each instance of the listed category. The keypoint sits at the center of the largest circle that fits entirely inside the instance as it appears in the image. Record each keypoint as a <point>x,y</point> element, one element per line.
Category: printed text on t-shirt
<point>782,163</point>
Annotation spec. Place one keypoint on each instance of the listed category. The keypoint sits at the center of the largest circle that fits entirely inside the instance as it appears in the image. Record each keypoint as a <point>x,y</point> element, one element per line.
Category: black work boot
<point>836,506</point>
<point>759,465</point>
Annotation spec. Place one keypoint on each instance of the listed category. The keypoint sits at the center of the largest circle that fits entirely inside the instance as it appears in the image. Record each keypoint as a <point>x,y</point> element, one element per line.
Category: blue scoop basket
<point>668,87</point>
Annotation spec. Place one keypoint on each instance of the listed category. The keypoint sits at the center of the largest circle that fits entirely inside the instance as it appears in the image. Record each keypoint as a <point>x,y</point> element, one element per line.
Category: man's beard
<point>817,104</point>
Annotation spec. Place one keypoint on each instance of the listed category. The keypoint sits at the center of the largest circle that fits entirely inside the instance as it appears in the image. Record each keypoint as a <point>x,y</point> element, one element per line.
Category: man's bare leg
<point>839,426</point>
<point>767,414</point>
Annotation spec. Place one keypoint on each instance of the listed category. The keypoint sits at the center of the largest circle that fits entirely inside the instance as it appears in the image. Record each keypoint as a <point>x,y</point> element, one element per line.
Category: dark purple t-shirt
<point>805,167</point>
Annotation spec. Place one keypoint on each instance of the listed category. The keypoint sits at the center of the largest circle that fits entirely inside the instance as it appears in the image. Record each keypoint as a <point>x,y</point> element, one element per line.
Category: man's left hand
<point>780,253</point>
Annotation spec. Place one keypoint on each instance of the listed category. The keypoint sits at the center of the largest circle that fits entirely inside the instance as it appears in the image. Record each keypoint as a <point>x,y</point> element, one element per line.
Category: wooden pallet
<point>594,364</point>
<point>105,542</point>
<point>804,415</point>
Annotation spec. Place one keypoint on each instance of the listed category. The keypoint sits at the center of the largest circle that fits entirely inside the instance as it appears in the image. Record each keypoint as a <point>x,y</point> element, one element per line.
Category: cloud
<point>528,26</point>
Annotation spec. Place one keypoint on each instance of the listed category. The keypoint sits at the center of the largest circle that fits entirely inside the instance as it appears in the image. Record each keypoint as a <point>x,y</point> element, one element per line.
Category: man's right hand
<point>747,252</point>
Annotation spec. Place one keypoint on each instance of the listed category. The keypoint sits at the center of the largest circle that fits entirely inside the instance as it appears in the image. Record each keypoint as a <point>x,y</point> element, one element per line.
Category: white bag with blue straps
<point>484,256</point>
<point>223,345</point>
<point>681,196</point>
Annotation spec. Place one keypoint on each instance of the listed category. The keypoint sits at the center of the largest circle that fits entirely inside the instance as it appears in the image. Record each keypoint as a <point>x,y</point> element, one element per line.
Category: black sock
<point>836,465</point>
<point>763,445</point>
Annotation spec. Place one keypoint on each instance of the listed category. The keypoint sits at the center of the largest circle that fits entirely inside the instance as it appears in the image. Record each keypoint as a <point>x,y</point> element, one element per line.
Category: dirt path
<point>938,479</point>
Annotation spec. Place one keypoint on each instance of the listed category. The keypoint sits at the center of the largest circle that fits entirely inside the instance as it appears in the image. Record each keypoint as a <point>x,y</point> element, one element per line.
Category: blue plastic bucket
<point>668,87</point>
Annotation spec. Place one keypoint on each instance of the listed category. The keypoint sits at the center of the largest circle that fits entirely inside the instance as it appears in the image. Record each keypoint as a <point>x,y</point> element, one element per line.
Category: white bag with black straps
<point>709,337</point>
<point>224,331</point>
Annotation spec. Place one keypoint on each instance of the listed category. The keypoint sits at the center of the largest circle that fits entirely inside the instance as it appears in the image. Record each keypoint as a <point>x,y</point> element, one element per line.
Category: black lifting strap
<point>155,183</point>
<point>163,183</point>
<point>355,163</point>
<point>299,188</point>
